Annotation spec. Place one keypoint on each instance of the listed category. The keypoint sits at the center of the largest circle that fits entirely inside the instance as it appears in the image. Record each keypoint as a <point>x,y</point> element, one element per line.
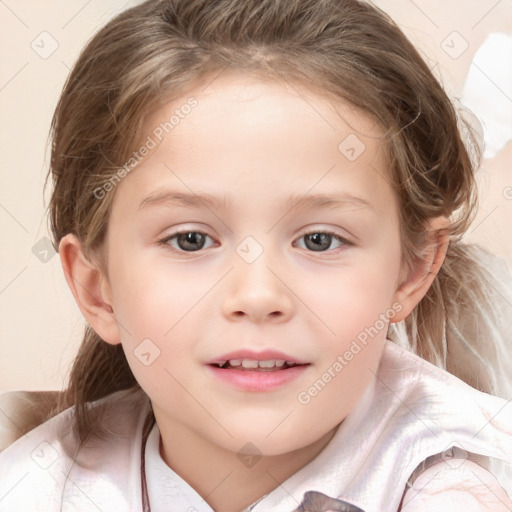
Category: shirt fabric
<point>411,413</point>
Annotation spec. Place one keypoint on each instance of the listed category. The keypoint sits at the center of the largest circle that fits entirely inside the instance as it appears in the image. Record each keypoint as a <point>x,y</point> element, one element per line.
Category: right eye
<point>186,241</point>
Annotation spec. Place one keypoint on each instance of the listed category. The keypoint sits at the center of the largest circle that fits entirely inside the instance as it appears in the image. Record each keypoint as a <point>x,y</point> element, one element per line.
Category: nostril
<point>272,314</point>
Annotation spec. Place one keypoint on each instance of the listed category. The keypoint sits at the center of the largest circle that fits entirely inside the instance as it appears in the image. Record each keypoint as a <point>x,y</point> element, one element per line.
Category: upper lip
<point>265,355</point>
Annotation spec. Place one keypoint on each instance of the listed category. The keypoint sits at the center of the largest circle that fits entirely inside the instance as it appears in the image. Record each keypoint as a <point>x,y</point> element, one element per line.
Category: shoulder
<point>440,402</point>
<point>30,460</point>
<point>22,411</point>
<point>467,487</point>
<point>47,465</point>
<point>419,410</point>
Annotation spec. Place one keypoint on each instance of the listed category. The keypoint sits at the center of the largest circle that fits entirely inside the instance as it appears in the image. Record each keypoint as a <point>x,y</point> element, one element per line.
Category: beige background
<point>40,325</point>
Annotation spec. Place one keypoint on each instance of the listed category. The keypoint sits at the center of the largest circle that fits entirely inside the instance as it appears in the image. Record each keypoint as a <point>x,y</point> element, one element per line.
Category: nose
<point>256,291</point>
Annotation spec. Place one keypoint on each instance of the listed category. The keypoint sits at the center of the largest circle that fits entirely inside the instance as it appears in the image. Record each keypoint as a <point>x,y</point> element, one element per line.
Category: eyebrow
<point>306,201</point>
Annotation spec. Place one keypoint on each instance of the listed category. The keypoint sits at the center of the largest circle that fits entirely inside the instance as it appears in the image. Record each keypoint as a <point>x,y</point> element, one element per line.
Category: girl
<point>258,208</point>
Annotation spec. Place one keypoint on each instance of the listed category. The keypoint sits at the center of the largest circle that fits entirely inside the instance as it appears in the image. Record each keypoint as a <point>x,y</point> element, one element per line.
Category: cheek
<point>353,299</point>
<point>343,377</point>
<point>157,312</point>
<point>150,299</point>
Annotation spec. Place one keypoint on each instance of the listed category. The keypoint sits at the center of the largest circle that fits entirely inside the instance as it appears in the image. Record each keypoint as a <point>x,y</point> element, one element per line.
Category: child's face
<point>254,283</point>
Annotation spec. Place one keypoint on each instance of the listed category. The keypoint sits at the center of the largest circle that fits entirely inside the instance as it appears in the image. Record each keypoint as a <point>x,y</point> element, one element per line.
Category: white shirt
<point>411,412</point>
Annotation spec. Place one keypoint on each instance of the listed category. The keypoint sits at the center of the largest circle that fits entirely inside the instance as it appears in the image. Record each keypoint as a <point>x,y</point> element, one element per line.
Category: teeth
<point>249,363</point>
<point>252,363</point>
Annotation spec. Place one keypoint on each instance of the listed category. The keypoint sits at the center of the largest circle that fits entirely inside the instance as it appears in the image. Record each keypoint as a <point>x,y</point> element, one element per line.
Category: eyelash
<point>165,242</point>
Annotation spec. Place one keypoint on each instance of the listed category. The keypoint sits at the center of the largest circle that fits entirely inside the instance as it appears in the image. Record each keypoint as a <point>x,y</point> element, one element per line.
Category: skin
<point>255,142</point>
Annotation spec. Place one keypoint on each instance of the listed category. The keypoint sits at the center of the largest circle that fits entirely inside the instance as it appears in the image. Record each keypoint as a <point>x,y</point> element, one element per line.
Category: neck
<point>229,481</point>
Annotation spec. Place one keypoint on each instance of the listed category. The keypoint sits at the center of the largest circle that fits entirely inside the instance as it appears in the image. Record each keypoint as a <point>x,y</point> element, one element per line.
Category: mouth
<point>257,371</point>
<point>254,365</point>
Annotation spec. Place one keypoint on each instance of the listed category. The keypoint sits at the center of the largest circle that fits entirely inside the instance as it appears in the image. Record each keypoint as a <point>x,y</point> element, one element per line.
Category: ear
<point>90,288</point>
<point>417,280</point>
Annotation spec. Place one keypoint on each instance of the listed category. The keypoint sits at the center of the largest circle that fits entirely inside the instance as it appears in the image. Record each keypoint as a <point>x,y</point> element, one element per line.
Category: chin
<point>265,443</point>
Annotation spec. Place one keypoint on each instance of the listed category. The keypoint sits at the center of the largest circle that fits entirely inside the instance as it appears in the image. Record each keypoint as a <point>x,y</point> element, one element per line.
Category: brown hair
<point>348,49</point>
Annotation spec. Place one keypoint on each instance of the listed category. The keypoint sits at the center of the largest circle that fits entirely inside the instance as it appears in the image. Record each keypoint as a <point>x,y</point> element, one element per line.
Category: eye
<point>321,241</point>
<point>193,241</point>
<point>186,241</point>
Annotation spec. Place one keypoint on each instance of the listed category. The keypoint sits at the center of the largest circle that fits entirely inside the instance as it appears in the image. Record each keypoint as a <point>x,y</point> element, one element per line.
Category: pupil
<point>190,240</point>
<point>321,241</point>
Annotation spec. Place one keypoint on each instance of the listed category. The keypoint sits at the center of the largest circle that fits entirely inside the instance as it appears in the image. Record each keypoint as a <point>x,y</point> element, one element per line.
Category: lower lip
<point>257,381</point>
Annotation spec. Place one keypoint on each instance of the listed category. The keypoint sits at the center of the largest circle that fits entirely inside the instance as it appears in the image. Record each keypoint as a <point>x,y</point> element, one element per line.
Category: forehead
<point>243,130</point>
<point>235,104</point>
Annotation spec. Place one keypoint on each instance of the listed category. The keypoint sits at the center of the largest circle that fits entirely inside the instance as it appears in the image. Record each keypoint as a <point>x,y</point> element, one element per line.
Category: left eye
<point>321,241</point>
<point>188,241</point>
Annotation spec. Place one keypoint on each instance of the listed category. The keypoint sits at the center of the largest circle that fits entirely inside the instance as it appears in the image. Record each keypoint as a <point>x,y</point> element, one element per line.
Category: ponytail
<point>98,370</point>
